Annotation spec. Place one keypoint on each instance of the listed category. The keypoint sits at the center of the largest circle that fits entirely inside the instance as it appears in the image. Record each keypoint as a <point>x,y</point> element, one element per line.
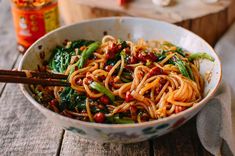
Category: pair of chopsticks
<point>33,77</point>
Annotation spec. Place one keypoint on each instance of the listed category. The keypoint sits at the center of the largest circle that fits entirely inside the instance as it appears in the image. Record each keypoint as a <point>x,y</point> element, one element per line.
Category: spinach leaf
<point>61,57</point>
<point>70,99</point>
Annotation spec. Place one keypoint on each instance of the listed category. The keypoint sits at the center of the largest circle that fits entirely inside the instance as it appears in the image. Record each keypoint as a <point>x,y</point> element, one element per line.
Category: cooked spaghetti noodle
<point>119,81</point>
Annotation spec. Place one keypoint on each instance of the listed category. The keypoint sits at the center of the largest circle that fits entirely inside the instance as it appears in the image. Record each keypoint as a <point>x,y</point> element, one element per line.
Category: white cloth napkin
<point>216,122</point>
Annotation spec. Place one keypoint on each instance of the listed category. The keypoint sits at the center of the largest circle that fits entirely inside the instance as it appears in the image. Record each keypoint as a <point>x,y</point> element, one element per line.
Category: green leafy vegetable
<point>182,68</point>
<point>42,95</point>
<point>60,60</point>
<point>125,80</point>
<point>190,71</point>
<point>180,51</point>
<point>123,53</point>
<point>100,88</point>
<point>123,43</point>
<point>87,53</point>
<point>201,56</point>
<point>161,56</point>
<point>124,120</point>
<point>118,120</point>
<point>126,76</point>
<point>79,43</point>
<point>61,57</point>
<point>70,99</point>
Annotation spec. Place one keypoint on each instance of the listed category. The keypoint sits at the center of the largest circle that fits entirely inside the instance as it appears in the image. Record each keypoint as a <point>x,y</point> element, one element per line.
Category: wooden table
<point>25,131</point>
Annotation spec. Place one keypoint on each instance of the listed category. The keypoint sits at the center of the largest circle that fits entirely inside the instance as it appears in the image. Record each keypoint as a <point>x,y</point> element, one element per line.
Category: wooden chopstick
<point>36,81</point>
<point>34,74</point>
<point>43,78</point>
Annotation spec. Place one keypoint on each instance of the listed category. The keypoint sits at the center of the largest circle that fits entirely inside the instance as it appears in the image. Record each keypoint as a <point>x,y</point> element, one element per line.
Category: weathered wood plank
<point>7,38</point>
<point>75,145</point>
<point>223,25</point>
<point>185,24</point>
<point>145,8</point>
<point>231,13</point>
<point>183,141</point>
<point>207,20</point>
<point>23,129</point>
<point>68,9</point>
<point>206,27</point>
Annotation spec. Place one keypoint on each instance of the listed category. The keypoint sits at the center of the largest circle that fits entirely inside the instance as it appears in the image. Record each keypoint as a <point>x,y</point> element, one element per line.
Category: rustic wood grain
<point>71,13</point>
<point>145,8</point>
<point>210,27</point>
<point>75,145</point>
<point>231,13</point>
<point>23,129</point>
<point>210,21</point>
<point>223,25</point>
<point>183,141</point>
<point>8,52</point>
<point>207,27</point>
<point>185,24</point>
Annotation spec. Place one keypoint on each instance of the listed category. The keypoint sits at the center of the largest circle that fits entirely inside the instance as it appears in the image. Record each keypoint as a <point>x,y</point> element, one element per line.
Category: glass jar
<point>33,19</point>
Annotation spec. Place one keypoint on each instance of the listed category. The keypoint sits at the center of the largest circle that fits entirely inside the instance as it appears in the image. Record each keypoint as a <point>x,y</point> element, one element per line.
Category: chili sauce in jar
<point>33,19</point>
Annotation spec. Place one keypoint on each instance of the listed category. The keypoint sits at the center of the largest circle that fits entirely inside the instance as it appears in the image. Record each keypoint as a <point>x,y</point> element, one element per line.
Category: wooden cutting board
<point>209,21</point>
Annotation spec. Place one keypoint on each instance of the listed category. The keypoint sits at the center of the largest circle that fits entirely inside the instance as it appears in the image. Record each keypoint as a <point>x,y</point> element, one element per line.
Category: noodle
<point>126,82</point>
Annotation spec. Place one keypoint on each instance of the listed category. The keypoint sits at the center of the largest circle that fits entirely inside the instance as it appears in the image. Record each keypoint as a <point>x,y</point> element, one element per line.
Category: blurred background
<point>207,18</point>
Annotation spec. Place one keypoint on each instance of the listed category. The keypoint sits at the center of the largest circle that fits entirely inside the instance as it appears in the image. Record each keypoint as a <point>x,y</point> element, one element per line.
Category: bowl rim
<point>131,125</point>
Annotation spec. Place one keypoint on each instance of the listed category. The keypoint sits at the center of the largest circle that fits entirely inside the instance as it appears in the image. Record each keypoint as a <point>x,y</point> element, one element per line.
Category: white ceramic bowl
<point>125,28</point>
